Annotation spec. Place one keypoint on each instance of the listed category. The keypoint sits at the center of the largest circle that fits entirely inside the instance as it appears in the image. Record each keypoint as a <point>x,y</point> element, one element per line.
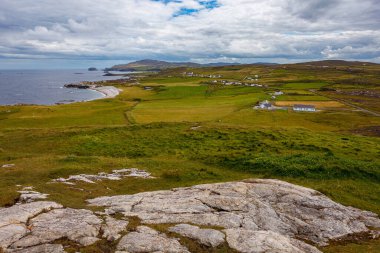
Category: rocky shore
<point>107,91</point>
<point>247,216</point>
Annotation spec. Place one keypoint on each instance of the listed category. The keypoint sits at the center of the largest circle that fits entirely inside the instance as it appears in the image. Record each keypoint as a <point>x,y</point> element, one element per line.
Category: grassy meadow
<point>186,131</point>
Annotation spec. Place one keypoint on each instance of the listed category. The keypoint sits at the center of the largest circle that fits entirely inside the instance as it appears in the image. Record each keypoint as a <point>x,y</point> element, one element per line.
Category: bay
<point>45,87</point>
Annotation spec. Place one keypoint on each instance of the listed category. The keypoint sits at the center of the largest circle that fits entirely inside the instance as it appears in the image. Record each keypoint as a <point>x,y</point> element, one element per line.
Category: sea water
<point>45,87</point>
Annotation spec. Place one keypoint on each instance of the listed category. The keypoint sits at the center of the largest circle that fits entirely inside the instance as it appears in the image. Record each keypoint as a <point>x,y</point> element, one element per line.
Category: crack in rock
<point>78,225</point>
<point>112,228</point>
<point>14,220</point>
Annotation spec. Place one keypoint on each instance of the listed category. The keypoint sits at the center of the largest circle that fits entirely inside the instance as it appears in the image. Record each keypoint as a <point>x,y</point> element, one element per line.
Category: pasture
<point>185,133</point>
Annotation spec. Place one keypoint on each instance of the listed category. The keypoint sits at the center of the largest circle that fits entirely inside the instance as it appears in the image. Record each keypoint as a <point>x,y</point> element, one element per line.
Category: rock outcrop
<point>112,228</point>
<point>248,241</point>
<point>274,206</point>
<point>7,165</point>
<point>44,248</point>
<point>209,237</point>
<point>80,226</point>
<point>14,220</point>
<point>249,216</point>
<point>30,196</point>
<point>115,175</point>
<point>148,240</point>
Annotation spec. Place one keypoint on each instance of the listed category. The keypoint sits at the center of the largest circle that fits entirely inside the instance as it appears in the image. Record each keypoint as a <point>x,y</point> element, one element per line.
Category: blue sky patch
<point>210,4</point>
<point>207,4</point>
<point>185,11</point>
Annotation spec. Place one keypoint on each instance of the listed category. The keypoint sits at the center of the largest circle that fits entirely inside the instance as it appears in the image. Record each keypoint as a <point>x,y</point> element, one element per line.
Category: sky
<point>101,33</point>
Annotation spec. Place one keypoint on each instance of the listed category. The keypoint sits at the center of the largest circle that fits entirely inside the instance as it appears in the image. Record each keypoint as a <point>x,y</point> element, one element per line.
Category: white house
<point>278,93</point>
<point>304,108</point>
<point>265,105</point>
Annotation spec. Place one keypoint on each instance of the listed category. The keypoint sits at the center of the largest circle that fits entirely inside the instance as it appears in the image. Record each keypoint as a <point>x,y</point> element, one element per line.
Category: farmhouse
<point>304,108</point>
<point>278,93</point>
<point>265,105</point>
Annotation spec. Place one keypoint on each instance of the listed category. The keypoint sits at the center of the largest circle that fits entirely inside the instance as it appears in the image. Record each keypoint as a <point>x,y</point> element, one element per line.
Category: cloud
<point>201,30</point>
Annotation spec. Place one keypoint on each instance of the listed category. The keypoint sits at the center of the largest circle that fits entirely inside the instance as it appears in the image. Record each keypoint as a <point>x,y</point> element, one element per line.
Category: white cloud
<point>237,30</point>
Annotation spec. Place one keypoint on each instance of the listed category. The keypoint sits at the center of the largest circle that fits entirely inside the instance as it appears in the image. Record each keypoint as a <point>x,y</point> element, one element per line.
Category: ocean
<point>45,87</point>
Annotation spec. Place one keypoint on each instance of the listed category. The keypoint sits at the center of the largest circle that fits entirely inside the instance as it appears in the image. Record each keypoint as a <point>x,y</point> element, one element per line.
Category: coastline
<point>107,91</point>
<point>46,87</point>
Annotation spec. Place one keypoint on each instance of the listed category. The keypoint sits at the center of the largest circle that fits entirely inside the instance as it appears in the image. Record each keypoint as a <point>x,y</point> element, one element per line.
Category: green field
<point>186,133</point>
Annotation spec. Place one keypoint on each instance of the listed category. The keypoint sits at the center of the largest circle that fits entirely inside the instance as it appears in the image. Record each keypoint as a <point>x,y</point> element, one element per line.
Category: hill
<point>334,63</point>
<point>155,65</point>
<point>152,65</point>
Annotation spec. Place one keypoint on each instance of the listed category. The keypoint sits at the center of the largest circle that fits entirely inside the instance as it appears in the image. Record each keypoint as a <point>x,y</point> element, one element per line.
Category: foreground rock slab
<point>208,237</point>
<point>112,228</point>
<point>249,241</point>
<point>275,206</point>
<point>149,240</point>
<point>44,248</point>
<point>80,226</point>
<point>13,220</point>
<point>250,216</point>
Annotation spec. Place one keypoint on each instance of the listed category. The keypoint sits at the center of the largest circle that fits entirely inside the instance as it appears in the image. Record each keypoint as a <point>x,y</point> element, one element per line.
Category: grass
<point>317,104</point>
<point>310,85</point>
<point>302,98</point>
<point>186,133</point>
<point>193,104</point>
<point>363,247</point>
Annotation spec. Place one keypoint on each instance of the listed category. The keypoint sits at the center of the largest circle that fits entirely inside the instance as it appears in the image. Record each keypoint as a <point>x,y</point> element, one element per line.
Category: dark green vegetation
<point>189,130</point>
<point>151,65</point>
<point>154,65</point>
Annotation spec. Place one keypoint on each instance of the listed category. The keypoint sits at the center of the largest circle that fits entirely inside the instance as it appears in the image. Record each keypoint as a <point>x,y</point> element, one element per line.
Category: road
<point>347,103</point>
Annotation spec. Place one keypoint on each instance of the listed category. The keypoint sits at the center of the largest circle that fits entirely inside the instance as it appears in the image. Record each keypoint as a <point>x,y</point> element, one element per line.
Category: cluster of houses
<point>266,105</point>
<point>236,83</point>
<point>304,108</point>
<point>255,78</point>
<point>276,94</point>
<point>251,79</point>
<point>192,74</point>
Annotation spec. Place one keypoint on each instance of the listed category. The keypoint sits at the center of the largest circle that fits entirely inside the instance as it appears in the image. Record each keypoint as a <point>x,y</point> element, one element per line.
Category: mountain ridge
<point>157,65</point>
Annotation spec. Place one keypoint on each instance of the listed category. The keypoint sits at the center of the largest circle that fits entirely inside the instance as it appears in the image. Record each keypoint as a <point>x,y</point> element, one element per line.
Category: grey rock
<point>21,213</point>
<point>112,228</point>
<point>30,196</point>
<point>115,175</point>
<point>249,241</point>
<point>268,205</point>
<point>148,240</point>
<point>208,237</point>
<point>13,220</point>
<point>44,248</point>
<point>81,226</point>
<point>256,215</point>
<point>8,165</point>
<point>11,233</point>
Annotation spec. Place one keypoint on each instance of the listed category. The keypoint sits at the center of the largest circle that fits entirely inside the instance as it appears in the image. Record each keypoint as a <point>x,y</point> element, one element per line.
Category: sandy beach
<point>107,91</point>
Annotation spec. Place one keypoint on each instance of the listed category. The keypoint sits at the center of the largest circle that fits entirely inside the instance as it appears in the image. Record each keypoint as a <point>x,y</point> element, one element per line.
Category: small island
<point>92,69</point>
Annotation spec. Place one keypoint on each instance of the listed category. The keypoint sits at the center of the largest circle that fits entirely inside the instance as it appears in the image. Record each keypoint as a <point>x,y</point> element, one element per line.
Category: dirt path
<point>128,114</point>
